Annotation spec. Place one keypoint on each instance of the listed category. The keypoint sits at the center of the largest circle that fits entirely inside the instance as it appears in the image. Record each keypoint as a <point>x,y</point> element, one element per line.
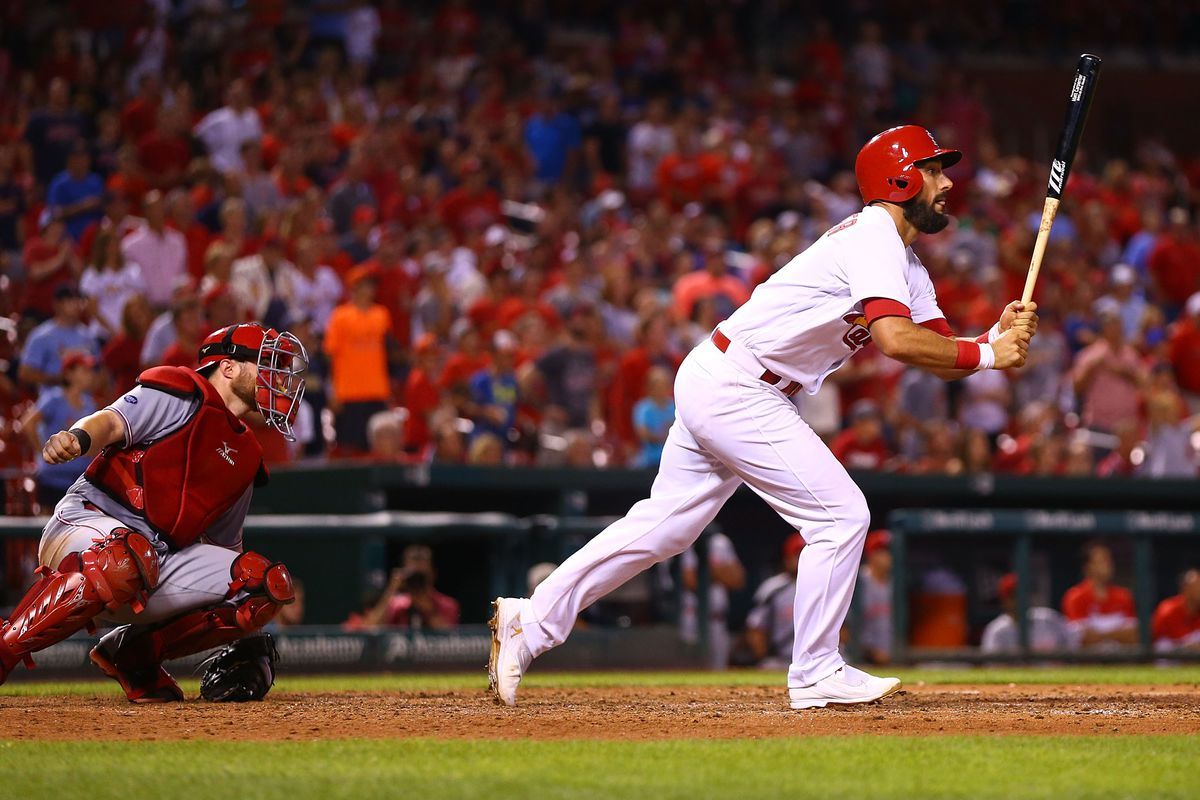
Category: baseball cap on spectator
<point>1006,589</point>
<point>877,540</point>
<point>217,292</point>
<point>77,358</point>
<point>792,546</point>
<point>863,409</point>
<point>361,273</point>
<point>67,291</point>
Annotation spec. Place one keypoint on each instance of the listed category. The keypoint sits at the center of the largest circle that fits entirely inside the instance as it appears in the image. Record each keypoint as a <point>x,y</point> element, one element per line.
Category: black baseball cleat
<point>149,685</point>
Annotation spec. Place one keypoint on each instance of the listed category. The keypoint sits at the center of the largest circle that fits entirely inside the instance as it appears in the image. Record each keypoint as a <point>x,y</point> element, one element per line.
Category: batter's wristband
<point>968,354</point>
<point>987,357</point>
<point>83,437</point>
<point>990,336</point>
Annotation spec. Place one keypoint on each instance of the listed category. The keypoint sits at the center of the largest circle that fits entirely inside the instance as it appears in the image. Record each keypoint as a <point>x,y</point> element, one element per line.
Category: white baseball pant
<point>730,428</point>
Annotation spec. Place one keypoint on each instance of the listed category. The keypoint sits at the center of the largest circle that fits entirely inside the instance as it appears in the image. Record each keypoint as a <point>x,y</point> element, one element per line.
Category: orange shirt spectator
<point>356,342</point>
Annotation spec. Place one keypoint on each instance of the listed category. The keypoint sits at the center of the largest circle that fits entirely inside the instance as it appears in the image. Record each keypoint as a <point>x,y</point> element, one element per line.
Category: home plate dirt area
<point>635,712</point>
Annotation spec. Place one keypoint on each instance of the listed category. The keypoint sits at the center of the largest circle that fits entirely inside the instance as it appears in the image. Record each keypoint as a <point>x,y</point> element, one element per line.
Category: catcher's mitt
<point>241,671</point>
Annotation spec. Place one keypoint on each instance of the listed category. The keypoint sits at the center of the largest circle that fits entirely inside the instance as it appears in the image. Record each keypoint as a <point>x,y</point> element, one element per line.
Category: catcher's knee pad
<point>258,588</point>
<point>117,570</point>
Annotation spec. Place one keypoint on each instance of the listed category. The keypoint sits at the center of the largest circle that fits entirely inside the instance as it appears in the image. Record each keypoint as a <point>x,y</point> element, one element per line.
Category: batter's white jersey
<point>734,425</point>
<point>807,320</point>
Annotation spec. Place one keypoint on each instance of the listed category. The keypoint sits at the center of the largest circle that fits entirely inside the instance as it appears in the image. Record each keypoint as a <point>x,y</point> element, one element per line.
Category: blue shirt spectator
<point>52,132</point>
<point>57,413</point>
<point>494,389</point>
<point>551,135</point>
<point>48,343</point>
<point>653,416</point>
<point>76,195</point>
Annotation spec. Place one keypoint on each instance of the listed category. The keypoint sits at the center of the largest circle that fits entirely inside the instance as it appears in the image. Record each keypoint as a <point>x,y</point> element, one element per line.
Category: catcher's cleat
<point>510,656</point>
<point>149,685</point>
<point>846,687</point>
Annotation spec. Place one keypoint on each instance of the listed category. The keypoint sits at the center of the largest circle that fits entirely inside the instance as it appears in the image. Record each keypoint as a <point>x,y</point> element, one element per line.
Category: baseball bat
<point>1083,87</point>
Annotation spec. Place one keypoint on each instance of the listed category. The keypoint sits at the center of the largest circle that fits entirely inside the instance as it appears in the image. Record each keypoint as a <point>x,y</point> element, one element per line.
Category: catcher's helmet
<point>887,166</point>
<point>281,362</point>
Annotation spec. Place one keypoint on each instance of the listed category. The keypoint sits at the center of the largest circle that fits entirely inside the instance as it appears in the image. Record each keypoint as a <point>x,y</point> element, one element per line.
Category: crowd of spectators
<point>498,234</point>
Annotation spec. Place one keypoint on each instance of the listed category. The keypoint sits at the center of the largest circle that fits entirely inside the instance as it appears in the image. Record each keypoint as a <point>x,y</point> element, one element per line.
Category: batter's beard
<point>922,216</point>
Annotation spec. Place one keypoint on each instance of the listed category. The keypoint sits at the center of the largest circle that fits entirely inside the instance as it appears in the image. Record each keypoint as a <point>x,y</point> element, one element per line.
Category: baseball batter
<point>150,537</point>
<point>735,422</point>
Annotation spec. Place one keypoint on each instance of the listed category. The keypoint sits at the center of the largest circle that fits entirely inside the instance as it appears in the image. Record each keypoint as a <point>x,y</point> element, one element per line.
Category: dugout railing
<point>1147,531</point>
<point>335,555</point>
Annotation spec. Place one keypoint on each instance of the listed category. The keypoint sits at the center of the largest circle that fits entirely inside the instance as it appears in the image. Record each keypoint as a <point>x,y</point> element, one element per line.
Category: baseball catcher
<point>150,537</point>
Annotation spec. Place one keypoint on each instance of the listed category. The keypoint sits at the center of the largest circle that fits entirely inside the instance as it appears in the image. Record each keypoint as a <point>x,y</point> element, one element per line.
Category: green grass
<point>434,682</point>
<point>883,767</point>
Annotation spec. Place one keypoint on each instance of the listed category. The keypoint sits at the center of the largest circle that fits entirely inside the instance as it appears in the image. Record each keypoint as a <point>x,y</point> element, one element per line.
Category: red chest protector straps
<point>184,481</point>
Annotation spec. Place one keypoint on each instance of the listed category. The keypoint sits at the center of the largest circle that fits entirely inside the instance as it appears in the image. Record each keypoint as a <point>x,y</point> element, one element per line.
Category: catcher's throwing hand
<point>61,448</point>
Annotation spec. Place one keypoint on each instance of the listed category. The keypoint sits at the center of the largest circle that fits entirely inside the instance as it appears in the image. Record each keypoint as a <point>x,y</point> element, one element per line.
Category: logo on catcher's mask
<point>226,452</point>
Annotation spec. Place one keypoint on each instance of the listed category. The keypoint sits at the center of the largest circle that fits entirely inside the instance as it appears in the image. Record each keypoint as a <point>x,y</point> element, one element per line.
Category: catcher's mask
<point>281,361</point>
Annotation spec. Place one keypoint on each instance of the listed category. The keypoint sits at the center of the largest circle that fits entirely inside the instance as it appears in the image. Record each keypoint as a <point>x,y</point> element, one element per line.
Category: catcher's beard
<point>922,216</point>
<point>245,385</point>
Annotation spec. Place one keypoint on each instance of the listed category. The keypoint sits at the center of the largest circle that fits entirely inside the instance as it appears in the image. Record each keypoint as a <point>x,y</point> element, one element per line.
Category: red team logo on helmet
<point>281,362</point>
<point>887,166</point>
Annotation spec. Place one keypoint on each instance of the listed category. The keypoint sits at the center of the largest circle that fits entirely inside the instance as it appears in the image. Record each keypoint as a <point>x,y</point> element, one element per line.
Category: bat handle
<point>1049,210</point>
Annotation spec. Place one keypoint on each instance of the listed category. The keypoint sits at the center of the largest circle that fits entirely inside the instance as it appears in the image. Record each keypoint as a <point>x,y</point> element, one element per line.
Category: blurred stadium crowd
<point>499,227</point>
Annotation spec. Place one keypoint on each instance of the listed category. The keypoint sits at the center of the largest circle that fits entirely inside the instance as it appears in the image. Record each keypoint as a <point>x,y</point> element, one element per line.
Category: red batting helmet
<point>886,166</point>
<point>281,362</point>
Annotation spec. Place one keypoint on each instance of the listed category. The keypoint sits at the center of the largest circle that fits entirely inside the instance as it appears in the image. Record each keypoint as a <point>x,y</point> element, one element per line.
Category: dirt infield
<point>637,713</point>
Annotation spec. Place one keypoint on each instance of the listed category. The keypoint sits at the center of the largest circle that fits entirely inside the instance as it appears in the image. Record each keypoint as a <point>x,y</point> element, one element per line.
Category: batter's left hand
<point>1022,313</point>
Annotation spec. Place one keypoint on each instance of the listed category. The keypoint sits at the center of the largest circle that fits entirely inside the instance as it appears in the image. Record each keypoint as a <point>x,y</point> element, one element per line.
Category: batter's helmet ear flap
<point>888,166</point>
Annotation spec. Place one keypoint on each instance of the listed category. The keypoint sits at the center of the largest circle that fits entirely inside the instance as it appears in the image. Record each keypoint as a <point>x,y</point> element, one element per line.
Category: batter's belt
<point>722,342</point>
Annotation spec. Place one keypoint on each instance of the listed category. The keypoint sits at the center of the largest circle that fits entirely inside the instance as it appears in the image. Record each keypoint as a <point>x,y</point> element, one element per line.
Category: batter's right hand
<point>1011,348</point>
<point>61,448</point>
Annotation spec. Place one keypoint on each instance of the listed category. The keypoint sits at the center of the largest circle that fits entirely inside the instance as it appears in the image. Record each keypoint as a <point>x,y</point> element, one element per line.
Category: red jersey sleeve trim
<point>941,327</point>
<point>877,307</point>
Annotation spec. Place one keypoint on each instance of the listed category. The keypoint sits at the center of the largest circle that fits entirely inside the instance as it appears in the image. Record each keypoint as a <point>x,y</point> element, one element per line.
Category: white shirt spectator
<point>362,30</point>
<point>311,298</point>
<point>111,289</point>
<point>648,143</point>
<point>1048,632</point>
<point>163,260</point>
<point>985,401</point>
<point>159,337</point>
<point>223,131</point>
<point>772,614</point>
<point>875,599</point>
<point>720,553</point>
<point>253,286</point>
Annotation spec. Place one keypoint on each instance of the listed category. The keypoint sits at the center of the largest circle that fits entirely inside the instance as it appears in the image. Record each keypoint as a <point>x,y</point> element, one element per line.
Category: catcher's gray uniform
<point>195,577</point>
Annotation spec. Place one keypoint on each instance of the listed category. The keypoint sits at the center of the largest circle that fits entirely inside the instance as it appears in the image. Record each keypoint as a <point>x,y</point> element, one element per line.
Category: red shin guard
<point>121,569</point>
<point>269,586</point>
